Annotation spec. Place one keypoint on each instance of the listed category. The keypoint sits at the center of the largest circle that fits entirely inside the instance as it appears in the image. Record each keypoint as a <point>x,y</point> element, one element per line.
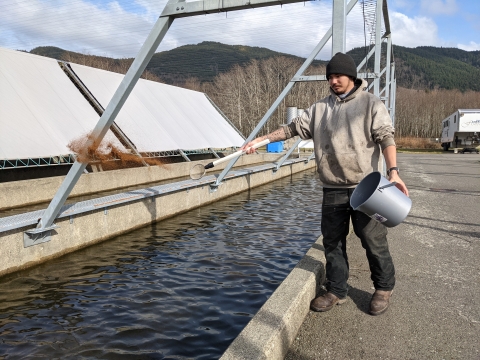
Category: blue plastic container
<point>275,147</point>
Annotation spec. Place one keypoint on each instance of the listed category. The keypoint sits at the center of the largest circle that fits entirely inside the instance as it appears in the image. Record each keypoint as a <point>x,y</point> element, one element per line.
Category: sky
<point>118,28</point>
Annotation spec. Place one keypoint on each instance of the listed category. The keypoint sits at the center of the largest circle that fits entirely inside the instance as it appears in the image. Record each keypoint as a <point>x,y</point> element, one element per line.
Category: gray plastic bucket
<point>381,200</point>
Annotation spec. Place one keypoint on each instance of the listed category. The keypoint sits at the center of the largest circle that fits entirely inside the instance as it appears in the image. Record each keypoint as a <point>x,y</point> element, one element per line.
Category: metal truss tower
<point>382,79</point>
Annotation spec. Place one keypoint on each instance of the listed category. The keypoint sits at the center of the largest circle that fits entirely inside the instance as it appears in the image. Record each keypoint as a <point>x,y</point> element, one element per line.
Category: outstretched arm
<point>390,154</point>
<point>277,135</point>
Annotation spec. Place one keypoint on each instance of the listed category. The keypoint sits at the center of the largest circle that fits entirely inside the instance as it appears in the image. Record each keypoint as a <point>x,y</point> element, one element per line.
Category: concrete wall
<point>89,228</point>
<point>28,192</point>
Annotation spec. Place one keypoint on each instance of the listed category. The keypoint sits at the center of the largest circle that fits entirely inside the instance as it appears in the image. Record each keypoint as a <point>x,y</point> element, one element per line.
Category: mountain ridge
<point>423,67</point>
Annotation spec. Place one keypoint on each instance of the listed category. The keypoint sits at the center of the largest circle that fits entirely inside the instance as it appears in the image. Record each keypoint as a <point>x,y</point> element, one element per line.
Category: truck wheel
<point>445,147</point>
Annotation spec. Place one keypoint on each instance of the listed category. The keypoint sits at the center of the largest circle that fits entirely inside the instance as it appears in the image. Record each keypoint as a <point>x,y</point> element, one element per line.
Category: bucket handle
<point>387,186</point>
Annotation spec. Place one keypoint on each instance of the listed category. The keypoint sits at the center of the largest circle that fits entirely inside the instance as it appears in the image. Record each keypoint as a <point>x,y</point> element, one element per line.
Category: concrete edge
<point>112,219</point>
<point>22,193</point>
<point>272,330</point>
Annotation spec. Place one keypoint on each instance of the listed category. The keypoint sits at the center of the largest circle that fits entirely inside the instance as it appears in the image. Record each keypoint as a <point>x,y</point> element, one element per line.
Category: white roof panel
<point>160,117</point>
<point>41,110</point>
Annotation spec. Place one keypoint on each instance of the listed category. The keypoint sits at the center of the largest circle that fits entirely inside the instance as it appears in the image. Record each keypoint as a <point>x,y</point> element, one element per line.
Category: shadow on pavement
<point>361,299</point>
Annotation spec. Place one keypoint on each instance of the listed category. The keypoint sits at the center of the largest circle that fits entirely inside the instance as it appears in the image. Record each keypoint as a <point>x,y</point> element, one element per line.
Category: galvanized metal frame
<point>67,159</point>
<point>113,108</point>
<point>339,26</point>
<point>298,75</point>
<point>70,211</point>
<point>287,155</point>
<point>172,10</point>
<point>338,33</point>
<point>184,155</point>
<point>169,153</point>
<point>85,91</point>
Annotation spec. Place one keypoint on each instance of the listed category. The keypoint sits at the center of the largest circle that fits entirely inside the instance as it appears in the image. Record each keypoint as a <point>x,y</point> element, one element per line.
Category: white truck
<point>461,130</point>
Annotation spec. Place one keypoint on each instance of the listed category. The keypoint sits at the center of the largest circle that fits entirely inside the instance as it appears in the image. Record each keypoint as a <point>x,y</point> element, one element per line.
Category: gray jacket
<point>348,135</point>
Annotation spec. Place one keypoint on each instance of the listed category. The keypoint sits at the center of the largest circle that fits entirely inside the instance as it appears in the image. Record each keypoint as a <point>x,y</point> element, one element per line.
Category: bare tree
<point>245,93</point>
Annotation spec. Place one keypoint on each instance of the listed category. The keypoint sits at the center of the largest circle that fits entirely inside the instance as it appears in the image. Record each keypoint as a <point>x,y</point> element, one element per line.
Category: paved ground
<point>435,310</point>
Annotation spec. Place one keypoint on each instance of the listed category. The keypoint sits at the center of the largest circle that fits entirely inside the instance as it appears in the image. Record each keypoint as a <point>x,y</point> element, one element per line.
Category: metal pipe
<point>285,157</point>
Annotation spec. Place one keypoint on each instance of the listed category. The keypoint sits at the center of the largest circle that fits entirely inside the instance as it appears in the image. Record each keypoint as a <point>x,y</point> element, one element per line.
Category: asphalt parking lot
<point>435,308</point>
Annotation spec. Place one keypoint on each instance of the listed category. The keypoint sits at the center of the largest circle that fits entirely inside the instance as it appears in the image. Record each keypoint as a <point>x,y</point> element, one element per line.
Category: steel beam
<point>339,26</point>
<point>378,45</point>
<point>365,59</point>
<point>310,157</point>
<point>285,157</point>
<point>393,94</point>
<point>214,153</point>
<point>121,94</point>
<point>388,67</point>
<point>180,9</point>
<point>282,95</point>
<point>324,78</point>
<point>386,18</point>
<point>122,137</point>
<point>184,155</point>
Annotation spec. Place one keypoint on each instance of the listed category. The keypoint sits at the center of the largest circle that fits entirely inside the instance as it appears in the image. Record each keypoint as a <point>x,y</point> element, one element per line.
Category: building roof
<point>41,111</point>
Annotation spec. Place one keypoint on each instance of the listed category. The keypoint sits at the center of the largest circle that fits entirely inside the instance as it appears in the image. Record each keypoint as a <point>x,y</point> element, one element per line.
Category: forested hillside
<point>206,60</point>
<point>428,67</point>
<point>244,81</point>
<point>417,68</point>
<point>203,61</point>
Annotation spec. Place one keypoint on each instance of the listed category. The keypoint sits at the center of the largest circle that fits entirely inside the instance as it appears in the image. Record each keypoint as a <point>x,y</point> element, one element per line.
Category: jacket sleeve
<point>382,129</point>
<point>300,125</point>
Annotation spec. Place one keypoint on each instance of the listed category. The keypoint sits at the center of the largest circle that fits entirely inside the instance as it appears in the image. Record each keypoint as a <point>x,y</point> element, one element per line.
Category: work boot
<point>380,301</point>
<point>326,302</point>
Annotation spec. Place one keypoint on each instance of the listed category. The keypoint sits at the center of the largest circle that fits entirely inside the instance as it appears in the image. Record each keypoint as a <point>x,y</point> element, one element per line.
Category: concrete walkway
<point>435,309</point>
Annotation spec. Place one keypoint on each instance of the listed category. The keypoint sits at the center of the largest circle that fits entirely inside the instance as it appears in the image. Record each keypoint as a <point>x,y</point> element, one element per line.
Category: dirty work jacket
<point>348,135</point>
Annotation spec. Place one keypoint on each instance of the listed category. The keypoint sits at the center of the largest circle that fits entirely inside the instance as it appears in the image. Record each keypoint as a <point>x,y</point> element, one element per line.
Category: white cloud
<point>119,29</point>
<point>472,46</point>
<point>413,32</point>
<point>78,26</point>
<point>439,7</point>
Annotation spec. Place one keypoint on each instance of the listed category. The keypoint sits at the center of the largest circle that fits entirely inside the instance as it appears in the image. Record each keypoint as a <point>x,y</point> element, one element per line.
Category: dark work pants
<point>336,214</point>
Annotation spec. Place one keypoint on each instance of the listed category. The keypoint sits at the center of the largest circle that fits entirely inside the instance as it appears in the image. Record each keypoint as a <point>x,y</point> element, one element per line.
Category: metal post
<point>370,53</point>
<point>214,153</point>
<point>393,94</point>
<point>388,67</point>
<point>310,157</point>
<point>285,157</point>
<point>122,137</point>
<point>378,45</point>
<point>180,151</point>
<point>121,94</point>
<point>284,93</point>
<point>339,26</point>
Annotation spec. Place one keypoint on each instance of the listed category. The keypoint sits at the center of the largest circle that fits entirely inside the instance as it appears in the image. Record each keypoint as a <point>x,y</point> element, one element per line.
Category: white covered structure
<point>42,111</point>
<point>160,117</point>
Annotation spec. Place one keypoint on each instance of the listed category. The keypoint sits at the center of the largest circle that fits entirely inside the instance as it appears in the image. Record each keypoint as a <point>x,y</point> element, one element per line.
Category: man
<point>350,129</point>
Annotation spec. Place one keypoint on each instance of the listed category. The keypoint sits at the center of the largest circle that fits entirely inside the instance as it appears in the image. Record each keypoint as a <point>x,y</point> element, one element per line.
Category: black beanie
<point>342,64</point>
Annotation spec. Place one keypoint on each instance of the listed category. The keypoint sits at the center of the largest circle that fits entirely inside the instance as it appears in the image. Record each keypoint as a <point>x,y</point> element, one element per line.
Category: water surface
<point>182,288</point>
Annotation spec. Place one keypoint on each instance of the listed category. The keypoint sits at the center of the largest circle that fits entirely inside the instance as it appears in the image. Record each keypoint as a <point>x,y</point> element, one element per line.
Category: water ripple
<point>182,288</point>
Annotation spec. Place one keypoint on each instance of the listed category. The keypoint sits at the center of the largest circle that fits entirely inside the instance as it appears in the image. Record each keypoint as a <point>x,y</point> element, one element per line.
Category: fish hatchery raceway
<point>435,310</point>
